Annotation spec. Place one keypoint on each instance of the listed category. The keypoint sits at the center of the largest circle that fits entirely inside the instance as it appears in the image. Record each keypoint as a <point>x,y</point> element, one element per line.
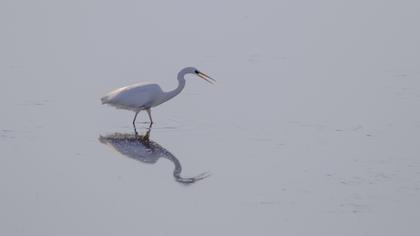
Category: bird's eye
<point>196,71</point>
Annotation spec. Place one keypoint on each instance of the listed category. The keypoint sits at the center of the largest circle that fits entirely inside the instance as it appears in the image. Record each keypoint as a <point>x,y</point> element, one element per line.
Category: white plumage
<point>144,96</point>
<point>134,96</point>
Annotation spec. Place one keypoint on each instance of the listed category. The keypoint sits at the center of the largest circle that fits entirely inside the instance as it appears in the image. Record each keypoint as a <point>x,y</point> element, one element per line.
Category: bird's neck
<point>177,90</point>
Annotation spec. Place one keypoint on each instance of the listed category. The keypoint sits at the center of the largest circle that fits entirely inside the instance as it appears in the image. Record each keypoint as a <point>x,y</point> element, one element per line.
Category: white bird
<point>144,96</point>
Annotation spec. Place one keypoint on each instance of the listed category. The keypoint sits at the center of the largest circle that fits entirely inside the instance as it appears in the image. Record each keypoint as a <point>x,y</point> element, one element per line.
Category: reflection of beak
<point>206,77</point>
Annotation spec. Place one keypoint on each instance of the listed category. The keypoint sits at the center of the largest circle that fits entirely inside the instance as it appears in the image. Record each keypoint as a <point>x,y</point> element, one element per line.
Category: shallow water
<point>313,126</point>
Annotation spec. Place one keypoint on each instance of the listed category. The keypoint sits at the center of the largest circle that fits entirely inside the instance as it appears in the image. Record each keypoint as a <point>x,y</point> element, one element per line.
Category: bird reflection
<point>141,148</point>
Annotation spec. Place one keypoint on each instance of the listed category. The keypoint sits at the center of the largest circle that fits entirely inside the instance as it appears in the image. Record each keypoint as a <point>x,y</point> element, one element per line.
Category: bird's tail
<point>105,99</point>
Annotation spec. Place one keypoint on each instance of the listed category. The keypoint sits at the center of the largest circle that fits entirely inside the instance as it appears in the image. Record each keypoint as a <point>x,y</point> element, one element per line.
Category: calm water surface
<point>312,128</point>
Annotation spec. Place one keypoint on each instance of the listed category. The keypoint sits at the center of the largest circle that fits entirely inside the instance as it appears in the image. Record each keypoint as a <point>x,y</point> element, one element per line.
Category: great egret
<point>141,148</point>
<point>144,96</point>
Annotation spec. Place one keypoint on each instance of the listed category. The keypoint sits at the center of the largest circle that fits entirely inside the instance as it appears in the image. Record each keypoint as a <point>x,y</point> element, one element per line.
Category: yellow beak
<point>206,77</point>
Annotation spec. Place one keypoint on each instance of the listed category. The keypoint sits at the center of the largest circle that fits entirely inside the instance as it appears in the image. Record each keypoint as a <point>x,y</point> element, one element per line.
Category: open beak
<point>205,77</point>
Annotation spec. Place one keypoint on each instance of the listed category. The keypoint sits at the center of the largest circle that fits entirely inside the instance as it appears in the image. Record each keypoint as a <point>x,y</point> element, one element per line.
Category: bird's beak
<point>205,77</point>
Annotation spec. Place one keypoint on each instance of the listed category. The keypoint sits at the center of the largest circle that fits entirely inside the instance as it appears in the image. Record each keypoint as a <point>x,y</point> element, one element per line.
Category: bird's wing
<point>133,97</point>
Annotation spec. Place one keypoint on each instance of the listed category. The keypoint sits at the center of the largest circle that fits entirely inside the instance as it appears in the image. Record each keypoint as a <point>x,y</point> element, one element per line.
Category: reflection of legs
<point>147,135</point>
<point>149,112</point>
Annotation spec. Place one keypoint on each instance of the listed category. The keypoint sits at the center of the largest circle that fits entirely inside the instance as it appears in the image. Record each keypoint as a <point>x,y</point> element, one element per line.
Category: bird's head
<point>193,70</point>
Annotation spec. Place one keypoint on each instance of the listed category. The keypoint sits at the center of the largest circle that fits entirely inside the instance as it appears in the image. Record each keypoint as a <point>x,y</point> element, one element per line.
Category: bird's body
<point>144,96</point>
<point>135,97</point>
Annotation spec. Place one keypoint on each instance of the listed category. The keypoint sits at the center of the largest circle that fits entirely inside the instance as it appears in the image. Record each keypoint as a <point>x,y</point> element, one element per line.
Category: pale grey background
<point>312,129</point>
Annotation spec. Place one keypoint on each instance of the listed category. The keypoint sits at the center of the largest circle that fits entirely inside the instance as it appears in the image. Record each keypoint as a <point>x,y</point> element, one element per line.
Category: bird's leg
<point>149,112</point>
<point>135,117</point>
<point>135,132</point>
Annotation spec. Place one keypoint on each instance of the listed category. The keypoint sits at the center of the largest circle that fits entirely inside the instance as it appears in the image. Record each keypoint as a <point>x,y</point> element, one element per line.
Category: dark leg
<point>149,112</point>
<point>135,131</point>
<point>135,117</point>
